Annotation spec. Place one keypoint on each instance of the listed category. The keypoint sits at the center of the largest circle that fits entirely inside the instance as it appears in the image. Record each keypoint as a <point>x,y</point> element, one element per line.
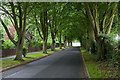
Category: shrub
<point>109,45</point>
<point>116,59</point>
<point>7,44</point>
<point>93,48</point>
<point>25,50</point>
<point>113,54</point>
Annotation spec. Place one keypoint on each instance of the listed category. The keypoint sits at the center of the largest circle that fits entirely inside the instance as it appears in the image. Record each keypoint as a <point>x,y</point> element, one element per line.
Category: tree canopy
<point>38,22</point>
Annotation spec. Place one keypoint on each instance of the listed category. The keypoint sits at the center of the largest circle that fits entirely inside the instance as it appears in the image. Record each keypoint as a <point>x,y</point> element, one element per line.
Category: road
<point>67,63</point>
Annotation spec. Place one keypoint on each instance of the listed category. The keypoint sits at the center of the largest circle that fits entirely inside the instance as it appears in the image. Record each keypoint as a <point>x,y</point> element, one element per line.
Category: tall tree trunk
<point>18,53</point>
<point>65,42</point>
<point>60,41</point>
<point>101,49</point>
<point>71,43</point>
<point>45,46</point>
<point>21,34</point>
<point>19,49</point>
<point>68,43</point>
<point>53,44</point>
<point>53,35</point>
<point>45,32</point>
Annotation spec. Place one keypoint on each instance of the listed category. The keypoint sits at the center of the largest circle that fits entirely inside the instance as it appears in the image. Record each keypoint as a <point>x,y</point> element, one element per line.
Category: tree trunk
<point>60,41</point>
<point>45,31</point>
<point>53,45</point>
<point>18,53</point>
<point>45,46</point>
<point>19,49</point>
<point>101,50</point>
<point>71,43</point>
<point>53,35</point>
<point>65,43</point>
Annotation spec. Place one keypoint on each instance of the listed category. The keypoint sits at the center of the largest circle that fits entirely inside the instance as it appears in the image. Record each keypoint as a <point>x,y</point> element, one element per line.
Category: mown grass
<point>7,63</point>
<point>91,64</point>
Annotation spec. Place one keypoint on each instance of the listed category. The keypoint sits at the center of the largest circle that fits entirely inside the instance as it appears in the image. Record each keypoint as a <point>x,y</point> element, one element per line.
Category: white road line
<point>12,74</point>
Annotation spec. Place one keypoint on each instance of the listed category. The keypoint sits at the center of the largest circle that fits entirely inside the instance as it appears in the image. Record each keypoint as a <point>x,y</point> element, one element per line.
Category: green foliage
<point>115,61</point>
<point>24,51</point>
<point>7,44</point>
<point>116,58</point>
<point>1,33</point>
<point>93,48</point>
<point>110,44</point>
<point>36,44</point>
<point>91,65</point>
<point>70,19</point>
<point>48,44</point>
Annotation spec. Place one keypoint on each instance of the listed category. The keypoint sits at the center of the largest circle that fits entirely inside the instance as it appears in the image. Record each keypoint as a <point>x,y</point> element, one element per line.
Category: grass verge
<point>91,64</point>
<point>8,63</point>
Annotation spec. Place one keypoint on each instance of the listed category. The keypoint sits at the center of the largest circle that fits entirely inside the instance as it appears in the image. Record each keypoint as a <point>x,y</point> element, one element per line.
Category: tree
<point>101,17</point>
<point>53,16</point>
<point>17,13</point>
<point>40,14</point>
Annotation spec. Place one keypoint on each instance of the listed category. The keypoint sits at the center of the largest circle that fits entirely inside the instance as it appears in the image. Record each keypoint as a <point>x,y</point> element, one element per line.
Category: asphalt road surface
<point>67,63</point>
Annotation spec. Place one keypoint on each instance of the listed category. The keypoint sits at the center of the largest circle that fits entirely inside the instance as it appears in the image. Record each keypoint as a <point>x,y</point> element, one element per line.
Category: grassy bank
<point>7,63</point>
<point>102,69</point>
<point>91,64</point>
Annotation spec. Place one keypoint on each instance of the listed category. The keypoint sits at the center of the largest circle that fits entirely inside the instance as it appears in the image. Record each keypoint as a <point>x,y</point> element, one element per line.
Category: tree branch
<point>14,17</point>
<point>20,17</point>
<point>8,33</point>
<point>38,27</point>
<point>4,10</point>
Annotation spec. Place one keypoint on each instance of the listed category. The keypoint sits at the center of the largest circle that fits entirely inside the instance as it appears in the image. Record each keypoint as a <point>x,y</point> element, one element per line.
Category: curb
<point>28,61</point>
<point>85,65</point>
<point>24,63</point>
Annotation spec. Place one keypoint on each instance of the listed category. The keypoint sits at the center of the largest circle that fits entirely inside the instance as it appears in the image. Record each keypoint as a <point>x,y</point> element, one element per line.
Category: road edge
<point>28,62</point>
<point>85,65</point>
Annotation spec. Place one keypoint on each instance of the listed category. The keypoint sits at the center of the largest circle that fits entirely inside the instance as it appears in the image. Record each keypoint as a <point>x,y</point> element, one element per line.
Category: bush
<point>25,50</point>
<point>7,44</point>
<point>109,45</point>
<point>109,50</point>
<point>93,48</point>
<point>116,59</point>
<point>113,53</point>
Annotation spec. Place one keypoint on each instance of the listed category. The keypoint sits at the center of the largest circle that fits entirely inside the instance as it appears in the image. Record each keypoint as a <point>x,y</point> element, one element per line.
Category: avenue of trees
<point>95,25</point>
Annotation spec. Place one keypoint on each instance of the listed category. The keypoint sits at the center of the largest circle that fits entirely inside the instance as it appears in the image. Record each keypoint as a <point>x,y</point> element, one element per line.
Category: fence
<point>10,52</point>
